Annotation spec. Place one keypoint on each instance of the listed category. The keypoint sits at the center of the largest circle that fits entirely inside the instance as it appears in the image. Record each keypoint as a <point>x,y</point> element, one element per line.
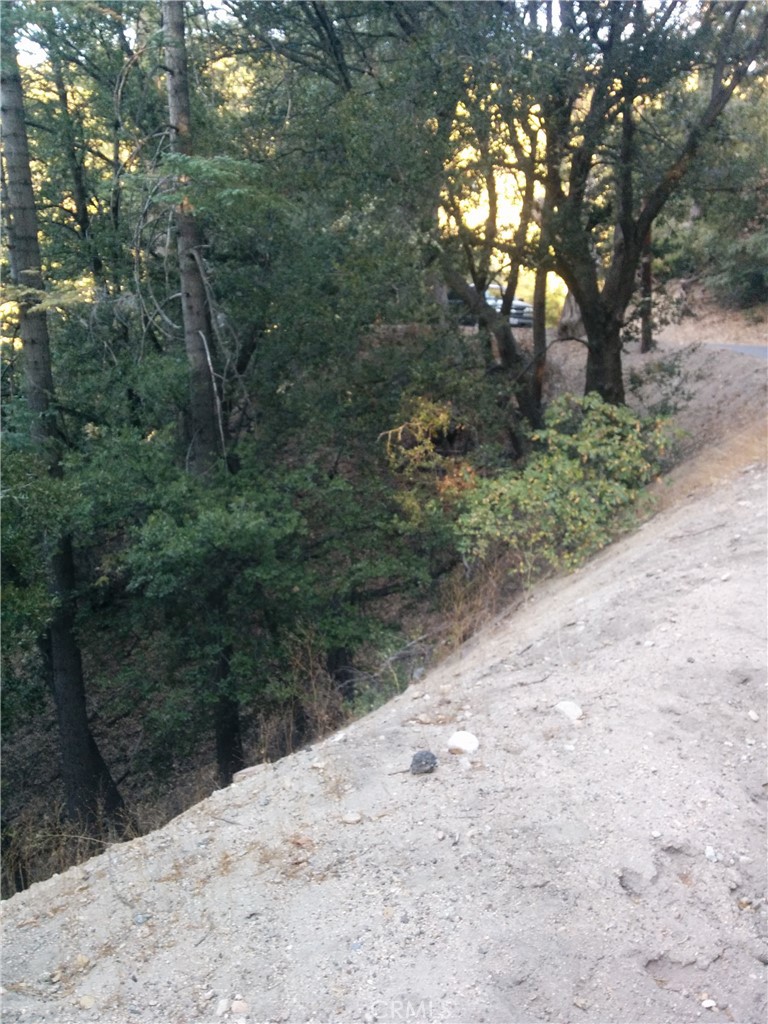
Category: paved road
<point>757,351</point>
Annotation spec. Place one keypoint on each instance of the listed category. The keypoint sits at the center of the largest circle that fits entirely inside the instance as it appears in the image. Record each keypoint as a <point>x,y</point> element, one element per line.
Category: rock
<point>352,818</point>
<point>709,1004</point>
<point>221,1007</point>
<point>423,762</point>
<point>239,1006</point>
<point>570,709</point>
<point>710,854</point>
<point>463,743</point>
<point>86,1002</point>
<point>754,716</point>
<point>247,773</point>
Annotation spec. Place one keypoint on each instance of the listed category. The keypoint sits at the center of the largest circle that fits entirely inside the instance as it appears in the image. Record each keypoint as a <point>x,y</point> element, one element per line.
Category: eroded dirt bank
<point>601,862</point>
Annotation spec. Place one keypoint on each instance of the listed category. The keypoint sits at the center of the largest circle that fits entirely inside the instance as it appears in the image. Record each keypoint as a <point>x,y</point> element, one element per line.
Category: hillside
<point>599,858</point>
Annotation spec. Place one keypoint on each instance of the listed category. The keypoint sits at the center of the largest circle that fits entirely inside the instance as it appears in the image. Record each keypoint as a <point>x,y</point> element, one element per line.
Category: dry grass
<point>712,467</point>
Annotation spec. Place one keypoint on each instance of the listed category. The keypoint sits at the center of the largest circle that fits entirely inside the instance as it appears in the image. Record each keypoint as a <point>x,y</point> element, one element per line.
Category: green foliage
<point>32,515</point>
<point>718,229</point>
<point>592,458</point>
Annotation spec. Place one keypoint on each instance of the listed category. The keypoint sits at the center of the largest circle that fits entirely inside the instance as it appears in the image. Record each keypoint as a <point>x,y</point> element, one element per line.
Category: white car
<point>521,314</point>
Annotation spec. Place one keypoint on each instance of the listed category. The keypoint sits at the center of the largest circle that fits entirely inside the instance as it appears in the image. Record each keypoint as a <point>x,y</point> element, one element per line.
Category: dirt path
<point>599,858</point>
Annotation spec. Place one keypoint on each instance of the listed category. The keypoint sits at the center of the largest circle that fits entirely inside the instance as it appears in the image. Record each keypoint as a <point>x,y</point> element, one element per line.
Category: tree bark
<point>604,369</point>
<point>646,296</point>
<point>205,438</point>
<point>226,715</point>
<point>539,335</point>
<point>90,790</point>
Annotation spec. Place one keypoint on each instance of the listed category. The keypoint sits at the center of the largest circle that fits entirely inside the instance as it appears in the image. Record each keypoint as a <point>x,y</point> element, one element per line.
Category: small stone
<point>352,818</point>
<point>463,743</point>
<point>318,766</point>
<point>709,853</point>
<point>656,834</point>
<point>735,880</point>
<point>754,716</point>
<point>86,1002</point>
<point>709,1004</point>
<point>221,1007</point>
<point>239,1006</point>
<point>570,709</point>
<point>81,962</point>
<point>423,762</point>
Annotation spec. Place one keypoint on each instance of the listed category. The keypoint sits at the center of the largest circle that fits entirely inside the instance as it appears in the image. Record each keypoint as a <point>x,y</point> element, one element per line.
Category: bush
<point>589,464</point>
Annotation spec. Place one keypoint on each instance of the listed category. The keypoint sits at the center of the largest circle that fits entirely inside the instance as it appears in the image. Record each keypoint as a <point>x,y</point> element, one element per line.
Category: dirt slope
<point>600,857</point>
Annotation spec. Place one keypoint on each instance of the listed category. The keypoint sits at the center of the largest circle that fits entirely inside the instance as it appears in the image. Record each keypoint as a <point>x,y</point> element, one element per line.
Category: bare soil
<point>599,858</point>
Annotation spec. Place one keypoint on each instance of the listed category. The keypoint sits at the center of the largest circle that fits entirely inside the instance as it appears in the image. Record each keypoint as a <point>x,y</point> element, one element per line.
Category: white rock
<point>709,1004</point>
<point>239,1006</point>
<point>709,853</point>
<point>463,743</point>
<point>221,1007</point>
<point>247,773</point>
<point>754,716</point>
<point>352,818</point>
<point>570,709</point>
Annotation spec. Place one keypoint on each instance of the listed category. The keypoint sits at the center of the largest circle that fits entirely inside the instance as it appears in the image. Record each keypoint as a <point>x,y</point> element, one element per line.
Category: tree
<point>89,787</point>
<point>716,228</point>
<point>620,59</point>
<point>206,440</point>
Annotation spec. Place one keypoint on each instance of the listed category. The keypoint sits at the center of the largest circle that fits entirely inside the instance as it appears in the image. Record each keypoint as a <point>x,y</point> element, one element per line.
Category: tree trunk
<point>90,792</point>
<point>539,334</point>
<point>571,324</point>
<point>89,787</point>
<point>226,716</point>
<point>206,448</point>
<point>646,296</point>
<point>205,439</point>
<point>604,369</point>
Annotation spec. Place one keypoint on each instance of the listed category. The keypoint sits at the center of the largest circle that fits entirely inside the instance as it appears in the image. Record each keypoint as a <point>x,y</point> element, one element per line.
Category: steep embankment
<point>599,858</point>
<point>603,862</point>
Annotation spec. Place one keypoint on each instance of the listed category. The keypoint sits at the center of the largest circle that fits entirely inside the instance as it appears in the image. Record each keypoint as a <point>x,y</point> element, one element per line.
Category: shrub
<point>589,463</point>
